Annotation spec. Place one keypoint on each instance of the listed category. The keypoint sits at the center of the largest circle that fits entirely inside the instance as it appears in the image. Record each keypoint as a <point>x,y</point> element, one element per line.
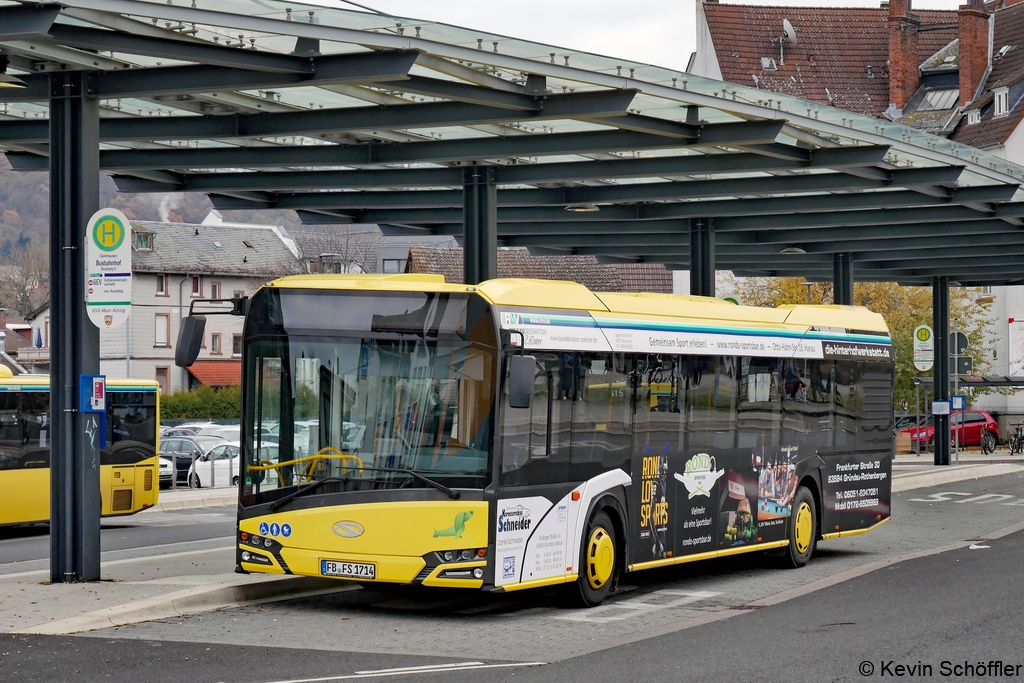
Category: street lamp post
<point>808,285</point>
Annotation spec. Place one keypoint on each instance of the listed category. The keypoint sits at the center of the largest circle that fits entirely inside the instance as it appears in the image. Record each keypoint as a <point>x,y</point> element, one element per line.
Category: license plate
<point>351,570</point>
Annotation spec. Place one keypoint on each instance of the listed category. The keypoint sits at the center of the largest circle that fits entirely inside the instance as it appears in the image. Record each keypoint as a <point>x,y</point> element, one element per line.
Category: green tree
<point>903,309</point>
<point>203,403</point>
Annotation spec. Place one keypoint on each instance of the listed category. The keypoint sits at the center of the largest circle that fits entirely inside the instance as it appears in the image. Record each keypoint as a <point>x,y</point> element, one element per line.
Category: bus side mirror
<point>522,372</point>
<point>190,340</point>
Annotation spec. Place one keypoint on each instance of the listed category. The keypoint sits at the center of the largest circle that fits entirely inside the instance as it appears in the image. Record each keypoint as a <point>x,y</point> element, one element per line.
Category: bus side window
<point>602,416</point>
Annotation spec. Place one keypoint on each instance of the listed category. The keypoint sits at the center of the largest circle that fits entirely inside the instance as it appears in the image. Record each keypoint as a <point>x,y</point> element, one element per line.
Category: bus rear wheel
<point>803,529</point>
<point>599,559</point>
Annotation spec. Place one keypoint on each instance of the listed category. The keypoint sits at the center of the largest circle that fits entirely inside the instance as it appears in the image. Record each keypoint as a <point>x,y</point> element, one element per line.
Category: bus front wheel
<point>599,559</point>
<point>803,529</point>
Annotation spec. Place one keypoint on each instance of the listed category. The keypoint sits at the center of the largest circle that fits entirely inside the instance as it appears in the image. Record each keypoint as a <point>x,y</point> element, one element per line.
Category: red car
<point>972,425</point>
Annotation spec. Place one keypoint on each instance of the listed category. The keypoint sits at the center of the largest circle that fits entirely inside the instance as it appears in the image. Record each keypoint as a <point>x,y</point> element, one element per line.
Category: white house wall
<point>705,61</point>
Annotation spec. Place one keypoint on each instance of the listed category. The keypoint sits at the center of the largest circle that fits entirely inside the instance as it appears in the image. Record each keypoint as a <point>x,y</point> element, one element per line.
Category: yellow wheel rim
<point>804,528</point>
<point>600,558</point>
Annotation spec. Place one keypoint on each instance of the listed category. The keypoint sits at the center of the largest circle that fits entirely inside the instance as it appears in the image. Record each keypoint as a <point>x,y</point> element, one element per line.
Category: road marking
<point>108,563</point>
<point>938,497</point>
<point>406,671</point>
<point>986,498</point>
<point>644,604</point>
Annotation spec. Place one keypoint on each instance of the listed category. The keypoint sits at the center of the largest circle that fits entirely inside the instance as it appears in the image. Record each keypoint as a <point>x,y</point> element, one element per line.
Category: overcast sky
<point>659,32</point>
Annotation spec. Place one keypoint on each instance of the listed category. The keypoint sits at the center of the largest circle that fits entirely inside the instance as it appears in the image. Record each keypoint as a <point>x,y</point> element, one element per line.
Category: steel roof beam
<point>942,214</point>
<point>20,22</point>
<point>464,92</point>
<point>337,120</point>
<point>857,235</point>
<point>819,206</point>
<point>694,189</point>
<point>183,80</point>
<point>87,38</point>
<point>448,150</point>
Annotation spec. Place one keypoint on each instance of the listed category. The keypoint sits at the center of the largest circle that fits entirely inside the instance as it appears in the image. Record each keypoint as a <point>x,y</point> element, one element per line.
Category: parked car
<point>226,464</point>
<point>968,428</point>
<point>218,467</point>
<point>184,449</point>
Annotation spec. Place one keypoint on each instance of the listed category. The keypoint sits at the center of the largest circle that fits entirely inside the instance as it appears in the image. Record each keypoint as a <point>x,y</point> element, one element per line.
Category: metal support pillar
<point>842,279</point>
<point>702,257</point>
<point>74,456</point>
<point>940,384</point>
<point>479,225</point>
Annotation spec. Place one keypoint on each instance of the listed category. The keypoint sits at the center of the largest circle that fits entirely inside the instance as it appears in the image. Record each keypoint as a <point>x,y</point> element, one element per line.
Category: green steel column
<point>842,281</point>
<point>75,502</point>
<point>702,257</point>
<point>479,225</point>
<point>940,321</point>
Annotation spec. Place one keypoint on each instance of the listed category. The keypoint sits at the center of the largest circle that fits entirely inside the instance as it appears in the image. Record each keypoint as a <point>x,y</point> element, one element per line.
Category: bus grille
<point>147,480</point>
<point>121,501</point>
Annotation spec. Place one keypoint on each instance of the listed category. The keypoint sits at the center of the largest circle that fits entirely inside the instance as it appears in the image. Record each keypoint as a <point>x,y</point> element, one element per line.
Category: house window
<point>215,343</point>
<point>973,117</point>
<point>163,378</point>
<point>239,293</point>
<point>214,290</point>
<point>197,285</point>
<point>1002,101</point>
<point>394,265</point>
<point>161,285</point>
<point>144,241</point>
<point>162,331</point>
<point>236,345</point>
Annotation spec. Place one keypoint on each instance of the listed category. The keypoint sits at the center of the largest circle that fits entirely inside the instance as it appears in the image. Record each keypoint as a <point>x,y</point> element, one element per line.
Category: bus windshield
<point>364,410</point>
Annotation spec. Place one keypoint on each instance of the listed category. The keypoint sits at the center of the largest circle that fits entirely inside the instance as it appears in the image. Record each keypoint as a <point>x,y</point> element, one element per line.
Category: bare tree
<point>25,276</point>
<point>338,249</point>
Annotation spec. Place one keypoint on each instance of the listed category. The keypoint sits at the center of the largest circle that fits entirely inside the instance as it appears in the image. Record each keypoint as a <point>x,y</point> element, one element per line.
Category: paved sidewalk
<point>185,498</point>
<point>191,578</point>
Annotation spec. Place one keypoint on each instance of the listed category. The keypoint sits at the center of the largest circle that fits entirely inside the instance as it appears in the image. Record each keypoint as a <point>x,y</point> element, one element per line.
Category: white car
<point>220,465</point>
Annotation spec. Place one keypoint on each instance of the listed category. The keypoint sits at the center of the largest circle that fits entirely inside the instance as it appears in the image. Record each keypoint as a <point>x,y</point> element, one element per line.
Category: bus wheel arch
<point>601,555</point>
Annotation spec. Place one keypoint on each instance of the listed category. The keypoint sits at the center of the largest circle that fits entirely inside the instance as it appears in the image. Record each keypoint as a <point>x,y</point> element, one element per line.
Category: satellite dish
<point>788,32</point>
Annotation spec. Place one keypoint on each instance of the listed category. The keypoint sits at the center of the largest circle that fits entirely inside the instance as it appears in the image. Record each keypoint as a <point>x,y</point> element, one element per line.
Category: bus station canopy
<point>345,115</point>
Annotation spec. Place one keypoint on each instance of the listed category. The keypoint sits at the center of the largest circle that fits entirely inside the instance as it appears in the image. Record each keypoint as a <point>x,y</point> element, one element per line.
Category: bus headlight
<point>267,543</point>
<point>245,556</point>
<point>478,573</point>
<point>255,539</point>
<point>448,556</point>
<point>466,554</point>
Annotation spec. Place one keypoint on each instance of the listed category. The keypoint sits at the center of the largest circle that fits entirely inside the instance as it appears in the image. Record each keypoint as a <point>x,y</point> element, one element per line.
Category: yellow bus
<point>129,477</point>
<point>522,433</point>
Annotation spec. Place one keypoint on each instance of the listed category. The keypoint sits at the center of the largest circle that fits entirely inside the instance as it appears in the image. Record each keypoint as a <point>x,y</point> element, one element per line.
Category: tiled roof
<point>518,262</point>
<point>644,277</point>
<point>361,242</point>
<point>835,45</point>
<point>1008,71</point>
<point>255,251</point>
<point>217,373</point>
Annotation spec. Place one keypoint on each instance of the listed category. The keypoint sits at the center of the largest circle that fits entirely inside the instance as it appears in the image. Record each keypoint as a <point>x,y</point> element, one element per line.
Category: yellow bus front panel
<point>389,542</point>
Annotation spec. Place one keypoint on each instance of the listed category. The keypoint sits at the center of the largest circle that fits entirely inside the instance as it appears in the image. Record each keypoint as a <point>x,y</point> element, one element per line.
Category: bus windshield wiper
<point>454,495</point>
<point>312,486</point>
<point>308,488</point>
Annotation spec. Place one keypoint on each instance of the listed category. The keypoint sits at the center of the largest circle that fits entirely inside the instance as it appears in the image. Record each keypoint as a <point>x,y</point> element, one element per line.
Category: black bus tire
<point>599,560</point>
<point>803,529</point>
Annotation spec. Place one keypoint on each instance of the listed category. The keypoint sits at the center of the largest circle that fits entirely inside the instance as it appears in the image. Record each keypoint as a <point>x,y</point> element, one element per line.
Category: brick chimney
<point>904,75</point>
<point>974,48</point>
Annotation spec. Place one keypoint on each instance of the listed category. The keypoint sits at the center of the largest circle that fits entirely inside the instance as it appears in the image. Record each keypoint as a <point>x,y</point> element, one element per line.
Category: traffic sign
<point>959,343</point>
<point>924,348</point>
<point>108,268</point>
<point>965,364</point>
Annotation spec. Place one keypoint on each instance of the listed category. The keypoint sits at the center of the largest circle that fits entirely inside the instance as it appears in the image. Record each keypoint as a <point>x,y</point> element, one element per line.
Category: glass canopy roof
<point>303,116</point>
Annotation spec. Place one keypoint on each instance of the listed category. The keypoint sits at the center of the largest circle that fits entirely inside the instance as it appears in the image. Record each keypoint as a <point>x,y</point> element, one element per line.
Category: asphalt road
<point>23,548</point>
<point>736,620</point>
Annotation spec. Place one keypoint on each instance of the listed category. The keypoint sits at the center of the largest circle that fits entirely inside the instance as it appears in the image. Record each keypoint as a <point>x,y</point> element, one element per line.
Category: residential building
<point>359,248</point>
<point>518,262</point>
